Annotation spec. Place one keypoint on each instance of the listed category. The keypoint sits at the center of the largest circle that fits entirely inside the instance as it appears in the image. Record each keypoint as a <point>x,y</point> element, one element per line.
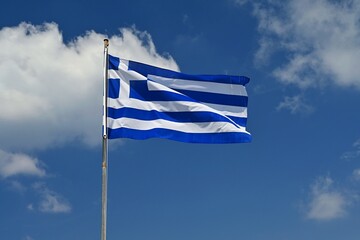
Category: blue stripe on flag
<point>114,88</point>
<point>239,120</point>
<point>179,136</point>
<point>184,117</point>
<point>146,70</point>
<point>139,90</point>
<point>114,62</point>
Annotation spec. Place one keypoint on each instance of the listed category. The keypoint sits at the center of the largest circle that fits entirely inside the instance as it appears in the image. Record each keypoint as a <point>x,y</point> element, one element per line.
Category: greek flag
<point>150,102</point>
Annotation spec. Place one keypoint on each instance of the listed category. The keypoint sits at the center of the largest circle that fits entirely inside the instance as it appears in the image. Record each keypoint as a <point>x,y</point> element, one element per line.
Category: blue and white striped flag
<point>150,102</point>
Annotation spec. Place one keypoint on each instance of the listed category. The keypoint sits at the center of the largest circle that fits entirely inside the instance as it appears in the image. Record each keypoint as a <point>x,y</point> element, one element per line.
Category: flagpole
<point>104,144</point>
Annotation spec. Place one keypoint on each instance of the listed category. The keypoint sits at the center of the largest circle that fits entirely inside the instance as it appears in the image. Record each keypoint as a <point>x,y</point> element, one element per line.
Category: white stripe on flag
<point>199,86</point>
<point>199,127</point>
<point>178,106</point>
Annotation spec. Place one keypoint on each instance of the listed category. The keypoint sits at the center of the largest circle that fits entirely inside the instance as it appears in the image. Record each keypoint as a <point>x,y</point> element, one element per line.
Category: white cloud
<point>51,91</point>
<point>266,48</point>
<point>19,164</point>
<point>326,203</point>
<point>295,105</point>
<point>51,202</point>
<point>320,37</point>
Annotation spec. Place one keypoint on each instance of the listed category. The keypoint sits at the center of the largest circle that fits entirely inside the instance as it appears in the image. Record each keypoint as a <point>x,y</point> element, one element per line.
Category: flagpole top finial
<point>106,42</point>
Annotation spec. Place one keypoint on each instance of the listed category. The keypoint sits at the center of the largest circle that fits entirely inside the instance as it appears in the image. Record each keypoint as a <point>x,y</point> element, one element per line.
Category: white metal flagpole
<point>104,143</point>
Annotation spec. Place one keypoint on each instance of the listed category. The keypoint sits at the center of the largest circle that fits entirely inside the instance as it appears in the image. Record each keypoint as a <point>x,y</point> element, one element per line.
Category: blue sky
<point>298,179</point>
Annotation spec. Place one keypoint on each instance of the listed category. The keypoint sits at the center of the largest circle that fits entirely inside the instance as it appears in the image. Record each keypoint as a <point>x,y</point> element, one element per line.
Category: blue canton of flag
<point>150,102</point>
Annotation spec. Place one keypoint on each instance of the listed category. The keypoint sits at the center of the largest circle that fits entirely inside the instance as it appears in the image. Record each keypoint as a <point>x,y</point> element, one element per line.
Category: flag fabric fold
<point>149,102</point>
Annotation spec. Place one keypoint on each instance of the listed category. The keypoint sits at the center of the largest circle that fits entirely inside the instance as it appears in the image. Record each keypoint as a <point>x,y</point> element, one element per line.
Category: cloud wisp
<point>50,201</point>
<point>354,153</point>
<point>296,105</point>
<point>326,203</point>
<point>12,164</point>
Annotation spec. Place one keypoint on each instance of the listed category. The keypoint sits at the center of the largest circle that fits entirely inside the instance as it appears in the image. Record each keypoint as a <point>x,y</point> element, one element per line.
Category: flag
<point>149,102</point>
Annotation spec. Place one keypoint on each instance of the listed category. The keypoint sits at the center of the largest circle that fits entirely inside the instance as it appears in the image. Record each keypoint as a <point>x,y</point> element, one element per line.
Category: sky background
<point>298,179</point>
